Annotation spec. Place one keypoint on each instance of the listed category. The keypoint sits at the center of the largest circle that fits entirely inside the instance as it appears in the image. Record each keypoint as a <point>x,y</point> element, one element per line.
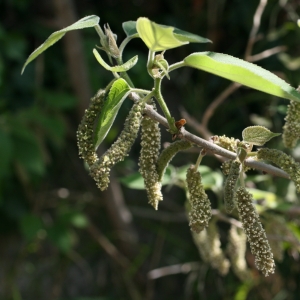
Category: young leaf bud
<point>256,235</point>
<point>167,155</point>
<point>209,247</point>
<point>236,250</point>
<point>284,161</point>
<point>291,128</point>
<point>200,211</point>
<point>150,146</point>
<point>229,188</point>
<point>85,132</point>
<point>119,149</point>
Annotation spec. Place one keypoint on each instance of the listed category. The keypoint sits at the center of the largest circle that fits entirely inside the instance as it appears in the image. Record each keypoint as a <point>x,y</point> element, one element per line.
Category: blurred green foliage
<point>46,197</point>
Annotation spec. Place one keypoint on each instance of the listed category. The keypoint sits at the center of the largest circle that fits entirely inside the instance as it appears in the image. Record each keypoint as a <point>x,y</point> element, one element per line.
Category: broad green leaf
<point>157,37</point>
<point>89,21</point>
<point>243,72</point>
<point>130,29</point>
<point>257,135</point>
<point>123,68</point>
<point>117,94</point>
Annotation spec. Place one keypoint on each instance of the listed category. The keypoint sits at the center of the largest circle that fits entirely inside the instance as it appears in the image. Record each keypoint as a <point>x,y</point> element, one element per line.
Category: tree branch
<point>215,149</point>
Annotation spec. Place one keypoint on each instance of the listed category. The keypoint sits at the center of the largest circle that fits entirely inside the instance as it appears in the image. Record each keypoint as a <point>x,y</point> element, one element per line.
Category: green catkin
<point>256,235</point>
<point>291,128</point>
<point>226,143</point>
<point>209,247</point>
<point>226,165</point>
<point>284,161</point>
<point>236,250</point>
<point>85,132</point>
<point>200,208</point>
<point>100,170</point>
<point>150,146</point>
<point>229,187</point>
<point>167,155</point>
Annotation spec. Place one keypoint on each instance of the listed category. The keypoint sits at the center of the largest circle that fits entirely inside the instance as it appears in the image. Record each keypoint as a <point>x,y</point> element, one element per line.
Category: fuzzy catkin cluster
<point>200,209</point>
<point>236,250</point>
<point>85,132</point>
<point>150,146</point>
<point>167,155</point>
<point>226,167</point>
<point>284,161</point>
<point>209,247</point>
<point>256,235</point>
<point>291,128</point>
<point>229,188</point>
<point>226,142</point>
<point>100,170</point>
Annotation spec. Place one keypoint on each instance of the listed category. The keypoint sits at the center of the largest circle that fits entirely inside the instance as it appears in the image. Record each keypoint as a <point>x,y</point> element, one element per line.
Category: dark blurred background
<point>60,237</point>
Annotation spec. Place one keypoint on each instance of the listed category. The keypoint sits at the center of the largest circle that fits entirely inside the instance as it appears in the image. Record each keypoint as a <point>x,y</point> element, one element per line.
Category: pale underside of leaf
<point>122,68</point>
<point>243,72</point>
<point>89,21</point>
<point>116,96</point>
<point>258,135</point>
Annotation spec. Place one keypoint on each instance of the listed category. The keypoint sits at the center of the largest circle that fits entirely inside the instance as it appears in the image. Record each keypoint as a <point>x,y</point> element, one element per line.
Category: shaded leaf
<point>89,21</point>
<point>117,94</point>
<point>243,72</point>
<point>185,36</point>
<point>129,28</point>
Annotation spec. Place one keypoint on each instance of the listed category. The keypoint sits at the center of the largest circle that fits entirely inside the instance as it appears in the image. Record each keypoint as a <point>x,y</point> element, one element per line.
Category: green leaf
<point>258,135</point>
<point>243,72</point>
<point>129,28</point>
<point>117,94</point>
<point>157,37</point>
<point>184,36</point>
<point>89,21</point>
<point>123,68</point>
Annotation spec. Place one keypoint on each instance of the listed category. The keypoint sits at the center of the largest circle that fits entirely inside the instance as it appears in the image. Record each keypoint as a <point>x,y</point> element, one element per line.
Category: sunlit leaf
<point>122,68</point>
<point>117,94</point>
<point>243,72</point>
<point>184,36</point>
<point>89,21</point>
<point>157,37</point>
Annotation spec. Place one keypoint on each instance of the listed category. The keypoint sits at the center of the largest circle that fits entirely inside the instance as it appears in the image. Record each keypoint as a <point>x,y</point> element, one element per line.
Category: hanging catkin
<point>150,146</point>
